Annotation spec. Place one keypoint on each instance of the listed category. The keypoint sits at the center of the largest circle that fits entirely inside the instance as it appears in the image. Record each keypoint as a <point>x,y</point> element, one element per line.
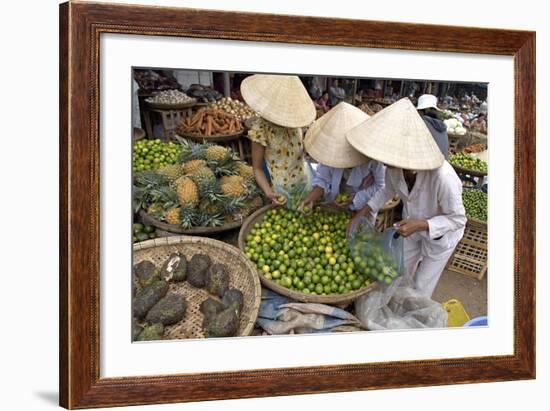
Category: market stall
<point>297,268</point>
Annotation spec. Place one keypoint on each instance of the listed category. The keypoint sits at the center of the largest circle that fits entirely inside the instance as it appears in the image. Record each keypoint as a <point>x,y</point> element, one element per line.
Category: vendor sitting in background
<point>479,124</point>
<point>427,108</point>
<point>321,103</point>
<point>342,170</point>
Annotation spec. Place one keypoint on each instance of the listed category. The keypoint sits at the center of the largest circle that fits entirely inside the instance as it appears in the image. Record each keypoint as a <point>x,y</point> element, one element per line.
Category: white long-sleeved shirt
<point>435,197</point>
<point>330,179</point>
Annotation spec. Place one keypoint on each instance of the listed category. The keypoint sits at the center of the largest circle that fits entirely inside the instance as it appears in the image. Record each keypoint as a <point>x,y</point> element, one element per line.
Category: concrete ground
<point>469,291</point>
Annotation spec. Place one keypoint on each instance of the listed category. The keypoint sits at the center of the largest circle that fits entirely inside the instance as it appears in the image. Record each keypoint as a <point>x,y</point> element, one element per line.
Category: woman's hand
<point>344,204</point>
<point>272,195</point>
<point>410,226</point>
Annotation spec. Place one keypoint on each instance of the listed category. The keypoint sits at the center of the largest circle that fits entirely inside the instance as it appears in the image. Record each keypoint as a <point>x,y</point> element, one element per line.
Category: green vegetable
<point>469,162</point>
<point>475,203</point>
<point>153,154</point>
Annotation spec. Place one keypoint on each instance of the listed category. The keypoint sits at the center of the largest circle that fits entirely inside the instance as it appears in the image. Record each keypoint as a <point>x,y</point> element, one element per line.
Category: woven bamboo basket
<point>214,138</point>
<point>257,217</point>
<point>242,275</point>
<point>470,255</point>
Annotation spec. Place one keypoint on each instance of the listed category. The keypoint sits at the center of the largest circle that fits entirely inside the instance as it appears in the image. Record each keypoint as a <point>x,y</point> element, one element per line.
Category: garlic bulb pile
<point>239,109</point>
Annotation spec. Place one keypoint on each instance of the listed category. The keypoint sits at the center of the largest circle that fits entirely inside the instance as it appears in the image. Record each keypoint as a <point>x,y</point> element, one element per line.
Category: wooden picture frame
<point>80,27</point>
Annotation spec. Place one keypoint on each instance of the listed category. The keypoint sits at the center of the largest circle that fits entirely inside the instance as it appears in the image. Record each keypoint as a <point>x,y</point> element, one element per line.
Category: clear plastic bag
<point>294,195</point>
<point>399,306</point>
<point>376,255</point>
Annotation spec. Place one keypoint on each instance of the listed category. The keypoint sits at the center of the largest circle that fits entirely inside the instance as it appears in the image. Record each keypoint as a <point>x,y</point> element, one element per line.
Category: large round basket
<point>242,275</point>
<point>463,170</point>
<point>215,138</point>
<point>295,295</point>
<point>166,106</point>
<point>204,231</point>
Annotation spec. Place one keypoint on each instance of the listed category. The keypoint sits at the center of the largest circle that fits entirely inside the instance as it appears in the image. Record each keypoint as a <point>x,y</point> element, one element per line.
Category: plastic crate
<point>470,255</point>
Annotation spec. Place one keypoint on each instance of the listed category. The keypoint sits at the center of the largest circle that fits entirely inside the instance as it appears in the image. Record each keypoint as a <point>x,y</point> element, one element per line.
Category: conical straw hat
<point>326,141</point>
<point>397,136</point>
<point>282,100</point>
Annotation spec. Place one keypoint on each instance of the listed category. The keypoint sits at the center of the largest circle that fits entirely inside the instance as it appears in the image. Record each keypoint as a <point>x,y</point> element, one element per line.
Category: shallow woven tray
<point>463,170</point>
<point>148,220</point>
<point>164,106</point>
<point>214,137</point>
<point>257,217</point>
<point>242,275</point>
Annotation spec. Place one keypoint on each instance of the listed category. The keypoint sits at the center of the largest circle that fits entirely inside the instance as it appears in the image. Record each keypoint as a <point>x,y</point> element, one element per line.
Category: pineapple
<point>215,153</point>
<point>173,216</point>
<point>190,150</point>
<point>233,189</point>
<point>245,171</point>
<point>192,165</point>
<point>231,180</point>
<point>187,191</point>
<point>188,217</point>
<point>202,176</point>
<point>211,208</point>
<point>155,209</point>
<point>172,172</point>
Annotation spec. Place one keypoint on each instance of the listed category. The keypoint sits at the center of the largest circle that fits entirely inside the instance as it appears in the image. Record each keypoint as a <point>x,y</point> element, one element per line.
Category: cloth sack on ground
<point>281,315</point>
<point>399,306</point>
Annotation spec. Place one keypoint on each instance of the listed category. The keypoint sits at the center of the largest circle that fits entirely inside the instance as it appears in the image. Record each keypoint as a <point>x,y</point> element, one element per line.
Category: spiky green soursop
<point>217,280</point>
<point>233,298</point>
<point>196,270</point>
<point>151,333</point>
<point>169,310</point>
<point>174,268</point>
<point>147,297</point>
<point>223,324</point>
<point>145,273</point>
<point>209,308</point>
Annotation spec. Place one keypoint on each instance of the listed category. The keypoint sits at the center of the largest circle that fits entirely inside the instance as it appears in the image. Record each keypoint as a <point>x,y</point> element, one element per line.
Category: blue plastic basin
<point>476,322</point>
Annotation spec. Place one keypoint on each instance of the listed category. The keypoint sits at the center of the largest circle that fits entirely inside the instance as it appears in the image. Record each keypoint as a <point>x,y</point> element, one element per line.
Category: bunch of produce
<point>370,257</point>
<point>305,253</point>
<point>154,307</point>
<point>171,97</point>
<point>342,198</point>
<point>142,232</point>
<point>153,154</point>
<point>469,162</point>
<point>474,148</point>
<point>235,107</point>
<point>203,94</point>
<point>454,127</point>
<point>475,203</point>
<point>371,109</point>
<point>207,122</point>
<point>206,187</point>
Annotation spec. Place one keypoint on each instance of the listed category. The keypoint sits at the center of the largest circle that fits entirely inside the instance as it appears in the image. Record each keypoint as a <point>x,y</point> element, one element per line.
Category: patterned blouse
<point>284,152</point>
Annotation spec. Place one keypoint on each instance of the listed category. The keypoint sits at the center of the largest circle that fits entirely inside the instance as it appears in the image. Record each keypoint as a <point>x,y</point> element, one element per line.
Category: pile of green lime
<point>142,232</point>
<point>153,154</point>
<point>305,253</point>
<point>469,162</point>
<point>475,203</point>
